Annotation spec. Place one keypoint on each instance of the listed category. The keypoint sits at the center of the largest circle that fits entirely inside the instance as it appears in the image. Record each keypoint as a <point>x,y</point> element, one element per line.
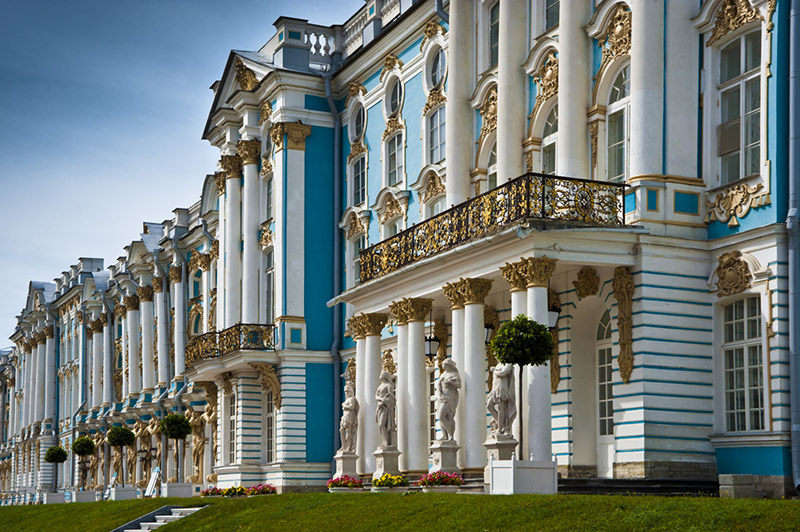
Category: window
<point>395,98</point>
<point>231,429</point>
<point>549,142</point>
<point>395,159</point>
<point>617,128</point>
<point>491,169</point>
<point>393,227</point>
<point>431,405</point>
<point>494,34</point>
<point>358,123</point>
<point>744,370</point>
<point>269,427</point>
<point>358,244</point>
<point>437,68</point>
<point>269,285</point>
<point>269,193</point>
<point>197,282</point>
<point>439,206</point>
<point>605,391</point>
<point>739,130</point>
<point>437,135</point>
<point>550,14</point>
<point>359,181</point>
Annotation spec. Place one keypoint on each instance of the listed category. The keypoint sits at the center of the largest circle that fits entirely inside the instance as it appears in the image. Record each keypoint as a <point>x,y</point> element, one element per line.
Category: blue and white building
<point>624,171</point>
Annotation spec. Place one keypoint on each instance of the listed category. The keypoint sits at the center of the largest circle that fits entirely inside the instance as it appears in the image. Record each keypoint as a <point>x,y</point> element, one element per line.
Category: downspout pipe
<point>72,462</point>
<point>793,232</point>
<point>337,260</point>
<point>441,13</point>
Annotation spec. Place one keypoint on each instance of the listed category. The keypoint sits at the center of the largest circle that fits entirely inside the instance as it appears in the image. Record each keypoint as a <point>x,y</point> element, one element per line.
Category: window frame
<point>621,105</point>
<point>550,140</point>
<point>357,244</point>
<point>491,45</point>
<point>358,193</point>
<point>269,285</point>
<point>269,428</point>
<point>396,142</point>
<point>436,122</point>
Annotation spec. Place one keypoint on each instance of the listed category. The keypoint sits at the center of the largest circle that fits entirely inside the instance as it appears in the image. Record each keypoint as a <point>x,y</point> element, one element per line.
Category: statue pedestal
<point>118,493</point>
<point>498,447</point>
<point>83,496</point>
<point>345,464</point>
<point>444,456</point>
<point>177,489</point>
<point>386,461</point>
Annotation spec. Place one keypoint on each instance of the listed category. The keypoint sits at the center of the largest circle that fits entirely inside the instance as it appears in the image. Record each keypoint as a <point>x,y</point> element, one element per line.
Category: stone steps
<point>160,520</point>
<point>664,487</point>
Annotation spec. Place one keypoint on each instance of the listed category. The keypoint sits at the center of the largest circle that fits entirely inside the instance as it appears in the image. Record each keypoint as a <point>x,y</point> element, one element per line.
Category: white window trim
<point>401,181</point>
<point>483,35</point>
<point>620,105</point>
<point>351,179</point>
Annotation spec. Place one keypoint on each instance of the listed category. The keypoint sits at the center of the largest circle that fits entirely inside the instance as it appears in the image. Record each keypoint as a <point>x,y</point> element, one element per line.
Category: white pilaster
<point>573,89</point>
<point>401,362</point>
<point>457,350</point>
<point>361,344</point>
<point>372,373</point>
<point>233,237</point>
<point>49,375</point>
<point>132,317</point>
<point>511,115</point>
<point>108,361</point>
<point>97,363</point>
<point>417,410</point>
<point>179,300</point>
<point>162,332</point>
<point>148,371</point>
<point>250,152</point>
<point>38,379</point>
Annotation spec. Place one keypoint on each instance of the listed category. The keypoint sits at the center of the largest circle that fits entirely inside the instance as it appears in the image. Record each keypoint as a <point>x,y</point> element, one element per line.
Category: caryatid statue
<point>348,426</point>
<point>99,459</point>
<point>93,468</point>
<point>140,430</point>
<point>196,420</point>
<point>131,463</point>
<point>154,429</point>
<point>384,413</point>
<point>210,419</point>
<point>447,398</point>
<point>501,402</point>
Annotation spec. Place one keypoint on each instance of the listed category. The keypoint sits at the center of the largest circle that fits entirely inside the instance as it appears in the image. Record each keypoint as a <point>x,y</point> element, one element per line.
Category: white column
<point>361,398</point>
<point>514,274</point>
<point>163,332</point>
<point>97,362</point>
<point>573,89</point>
<point>145,294</point>
<point>232,164</point>
<point>38,378</point>
<point>458,124</point>
<point>456,299</point>
<point>250,152</point>
<point>205,266</point>
<point>474,380</point>
<point>26,384</point>
<point>49,375</point>
<point>124,354</point>
<point>417,411</point>
<point>539,429</point>
<point>372,373</point>
<point>401,363</point>
<point>647,85</point>
<point>511,115</point>
<point>108,361</point>
<point>134,375</point>
<point>179,299</point>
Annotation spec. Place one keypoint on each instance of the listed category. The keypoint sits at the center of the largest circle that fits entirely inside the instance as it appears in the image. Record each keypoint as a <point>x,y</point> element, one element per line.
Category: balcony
<point>528,197</point>
<point>240,337</point>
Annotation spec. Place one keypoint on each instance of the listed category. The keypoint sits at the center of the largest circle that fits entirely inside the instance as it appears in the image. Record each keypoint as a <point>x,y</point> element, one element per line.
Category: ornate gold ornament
<point>474,290</point>
<point>97,326</point>
<point>436,98</point>
<point>388,362</point>
<point>391,209</point>
<point>231,165</point>
<point>245,77</point>
<point>145,294</point>
<point>431,30</point>
<point>265,240</point>
<point>416,308</point>
<point>249,150</point>
<point>398,312</point>
<point>488,111</point>
<point>158,284</point>
<point>49,332</point>
<point>219,180</point>
<point>356,149</point>
<point>731,15</point>
<point>733,274</point>
<point>538,271</point>
<point>547,80</point>
<point>433,187</point>
<point>392,125</point>
<point>350,372</point>
<point>227,387</point>
<point>593,131</point>
<point>214,250</point>
<point>265,111</point>
<point>354,89</point>
<point>587,283</point>
<point>269,381</point>
<point>390,62</point>
<point>175,274</point>
<point>735,202</point>
<point>354,227</point>
<point>266,166</point>
<point>204,261</point>
<point>365,325</point>
<point>616,40</point>
<point>454,295</point>
<point>212,311</point>
<point>132,303</point>
<point>514,274</point>
<point>623,292</point>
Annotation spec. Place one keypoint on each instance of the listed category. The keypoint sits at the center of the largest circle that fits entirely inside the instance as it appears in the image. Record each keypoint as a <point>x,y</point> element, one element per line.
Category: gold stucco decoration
<point>735,202</point>
<point>733,274</point>
<point>356,149</point>
<point>354,227</point>
<point>436,98</point>
<point>398,312</point>
<point>593,132</point>
<point>587,283</point>
<point>547,80</point>
<point>269,381</point>
<point>392,125</point>
<point>350,372</point>
<point>175,275</point>
<point>390,62</point>
<point>245,77</point>
<point>354,89</point>
<point>296,133</point>
<point>266,166</point>
<point>417,308</point>
<point>265,240</point>
<point>488,111</point>
<point>388,362</point>
<point>431,30</point>
<point>453,295</point>
<point>391,209</point>
<point>433,187</point>
<point>474,290</point>
<point>145,294</point>
<point>249,150</point>
<point>623,292</point>
<point>513,274</point>
<point>731,15</point>
<point>219,180</point>
<point>214,250</point>
<point>231,165</point>
<point>537,271</point>
<point>265,111</point>
<point>616,40</point>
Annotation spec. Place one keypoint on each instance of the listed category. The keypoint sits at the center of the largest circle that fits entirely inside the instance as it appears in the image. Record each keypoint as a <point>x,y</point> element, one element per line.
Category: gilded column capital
<point>158,284</point>
<point>96,326</point>
<point>132,302</point>
<point>219,180</point>
<point>513,273</point>
<point>145,294</point>
<point>175,275</point>
<point>104,318</point>
<point>231,165</point>
<point>49,332</point>
<point>249,150</point>
<point>398,312</point>
<point>454,295</point>
<point>474,291</point>
<point>214,253</point>
<point>375,322</point>
<point>120,311</point>
<point>276,135</point>
<point>538,271</point>
<point>296,133</point>
<point>358,326</point>
<point>40,338</point>
<point>417,308</point>
<point>204,261</point>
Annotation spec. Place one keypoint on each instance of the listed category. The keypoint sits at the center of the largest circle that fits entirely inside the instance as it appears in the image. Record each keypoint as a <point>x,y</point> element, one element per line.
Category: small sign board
<point>107,492</point>
<point>151,486</point>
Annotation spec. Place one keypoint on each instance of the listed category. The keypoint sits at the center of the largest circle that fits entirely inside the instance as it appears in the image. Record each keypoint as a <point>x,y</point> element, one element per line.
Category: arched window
<point>491,169</point>
<point>549,136</point>
<point>617,126</point>
<point>605,393</point>
<point>395,98</point>
<point>358,121</point>
<point>197,283</point>
<point>437,68</point>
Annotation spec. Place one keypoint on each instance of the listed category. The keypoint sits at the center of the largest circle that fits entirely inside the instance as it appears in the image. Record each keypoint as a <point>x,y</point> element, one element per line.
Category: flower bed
<point>235,491</point>
<point>440,478</point>
<point>345,482</point>
<point>261,489</point>
<point>212,491</point>
<point>390,481</point>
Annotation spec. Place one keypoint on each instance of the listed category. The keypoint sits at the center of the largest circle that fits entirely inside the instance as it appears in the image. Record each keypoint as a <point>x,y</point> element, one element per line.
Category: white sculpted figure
<point>501,402</point>
<point>348,426</point>
<point>447,398</point>
<point>384,413</point>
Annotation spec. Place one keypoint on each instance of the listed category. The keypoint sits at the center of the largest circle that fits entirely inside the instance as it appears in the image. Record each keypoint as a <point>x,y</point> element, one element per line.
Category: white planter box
<point>177,489</point>
<point>54,498</point>
<point>118,493</point>
<point>83,496</point>
<point>522,476</point>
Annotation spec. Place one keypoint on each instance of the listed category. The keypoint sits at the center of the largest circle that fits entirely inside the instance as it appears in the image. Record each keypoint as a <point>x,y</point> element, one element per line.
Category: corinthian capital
<point>249,151</point>
<point>538,271</point>
<point>417,308</point>
<point>474,291</point>
<point>132,302</point>
<point>219,180</point>
<point>365,325</point>
<point>514,273</point>
<point>398,312</point>
<point>145,294</point>
<point>175,275</point>
<point>49,332</point>
<point>231,165</point>
<point>158,284</point>
<point>454,295</point>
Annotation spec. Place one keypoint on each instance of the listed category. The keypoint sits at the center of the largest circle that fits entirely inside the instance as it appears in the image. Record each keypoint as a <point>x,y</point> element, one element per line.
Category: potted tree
<point>55,455</point>
<point>176,427</point>
<point>522,342</point>
<point>83,447</point>
<point>121,437</point>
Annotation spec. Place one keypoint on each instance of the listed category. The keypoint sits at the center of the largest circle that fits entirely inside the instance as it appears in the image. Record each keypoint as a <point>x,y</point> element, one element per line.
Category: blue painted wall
<point>319,421</point>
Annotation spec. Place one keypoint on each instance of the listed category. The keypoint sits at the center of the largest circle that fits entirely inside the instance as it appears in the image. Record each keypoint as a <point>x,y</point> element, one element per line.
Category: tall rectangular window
<point>744,368</point>
<point>494,34</point>
<point>437,135</point>
<point>395,153</point>
<point>359,181</point>
<point>358,244</point>
<point>269,286</point>
<point>551,14</point>
<point>432,405</point>
<point>269,427</point>
<point>268,187</point>
<point>232,429</point>
<point>605,394</point>
<point>549,159</point>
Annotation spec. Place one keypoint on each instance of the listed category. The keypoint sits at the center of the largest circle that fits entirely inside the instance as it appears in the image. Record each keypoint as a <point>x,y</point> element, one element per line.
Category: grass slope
<point>421,512</point>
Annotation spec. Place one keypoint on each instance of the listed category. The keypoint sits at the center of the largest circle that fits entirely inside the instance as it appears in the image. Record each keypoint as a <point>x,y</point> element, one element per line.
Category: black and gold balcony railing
<point>243,336</point>
<point>530,196</point>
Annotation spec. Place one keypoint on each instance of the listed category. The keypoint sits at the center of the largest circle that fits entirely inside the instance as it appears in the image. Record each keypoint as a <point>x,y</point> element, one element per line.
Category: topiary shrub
<point>121,437</point>
<point>176,426</point>
<point>83,446</point>
<point>55,455</point>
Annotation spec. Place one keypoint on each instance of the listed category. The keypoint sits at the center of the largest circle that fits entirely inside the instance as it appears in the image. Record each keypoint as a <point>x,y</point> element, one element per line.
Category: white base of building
<point>508,477</point>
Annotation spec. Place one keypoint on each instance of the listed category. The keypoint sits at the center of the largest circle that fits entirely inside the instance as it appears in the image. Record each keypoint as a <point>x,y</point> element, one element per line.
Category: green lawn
<point>420,512</point>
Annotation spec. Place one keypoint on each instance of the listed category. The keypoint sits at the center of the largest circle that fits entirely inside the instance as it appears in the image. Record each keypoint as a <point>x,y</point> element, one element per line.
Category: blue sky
<point>103,106</point>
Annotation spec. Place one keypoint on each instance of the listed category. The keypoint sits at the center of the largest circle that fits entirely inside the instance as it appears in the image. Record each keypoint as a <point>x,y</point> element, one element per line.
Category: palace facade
<point>389,192</point>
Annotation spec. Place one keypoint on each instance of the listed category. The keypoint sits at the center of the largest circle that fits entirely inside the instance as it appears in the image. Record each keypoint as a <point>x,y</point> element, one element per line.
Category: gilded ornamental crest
<point>733,274</point>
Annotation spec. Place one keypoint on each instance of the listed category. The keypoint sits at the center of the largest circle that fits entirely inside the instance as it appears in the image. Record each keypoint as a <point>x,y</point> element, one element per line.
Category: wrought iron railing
<point>530,196</point>
<point>243,336</point>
